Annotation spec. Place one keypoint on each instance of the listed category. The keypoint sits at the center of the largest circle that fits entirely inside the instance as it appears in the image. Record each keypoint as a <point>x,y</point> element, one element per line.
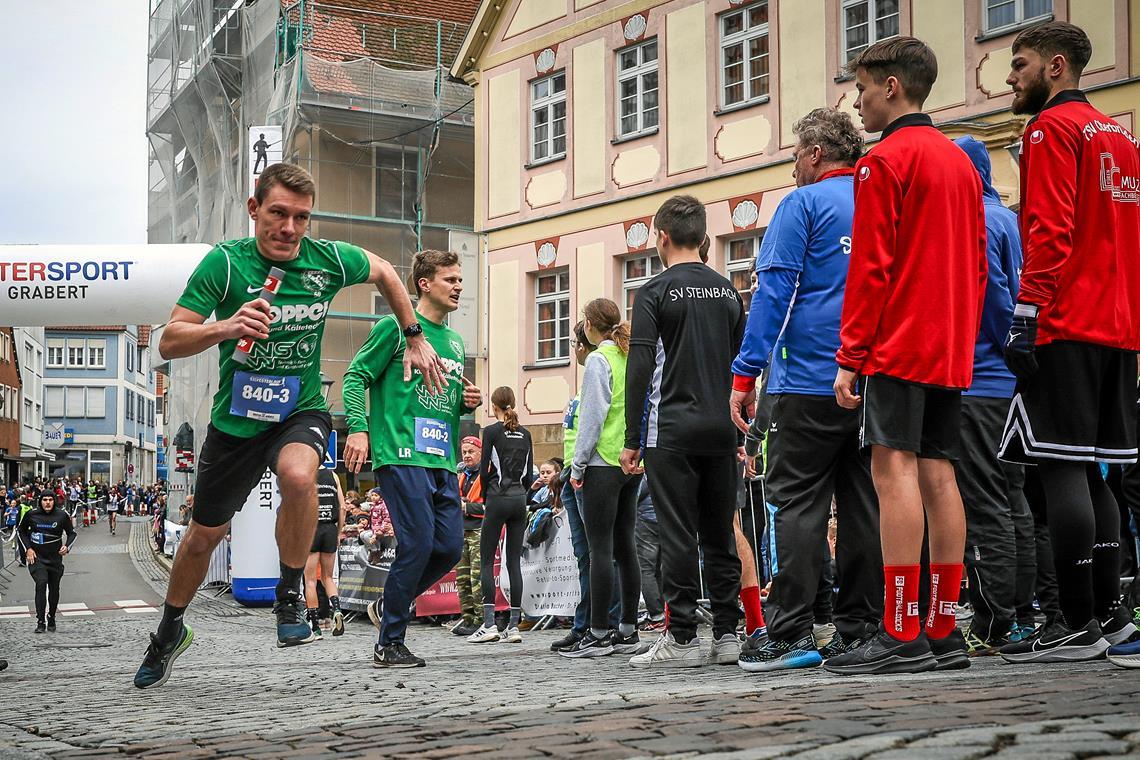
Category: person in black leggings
<point>506,472</point>
<point>609,495</point>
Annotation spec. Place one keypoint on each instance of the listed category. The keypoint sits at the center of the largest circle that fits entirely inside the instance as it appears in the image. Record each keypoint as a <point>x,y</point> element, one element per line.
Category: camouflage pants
<point>467,583</point>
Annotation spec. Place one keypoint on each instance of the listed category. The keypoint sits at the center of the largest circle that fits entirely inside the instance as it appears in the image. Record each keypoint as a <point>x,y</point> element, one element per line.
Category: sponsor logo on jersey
<point>1123,188</point>
<point>1036,136</point>
<point>315,281</point>
<point>864,173</point>
<point>298,313</point>
<point>456,347</point>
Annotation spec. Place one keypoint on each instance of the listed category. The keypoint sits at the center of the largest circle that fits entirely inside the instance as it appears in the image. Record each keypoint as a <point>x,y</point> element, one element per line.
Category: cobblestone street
<point>235,694</point>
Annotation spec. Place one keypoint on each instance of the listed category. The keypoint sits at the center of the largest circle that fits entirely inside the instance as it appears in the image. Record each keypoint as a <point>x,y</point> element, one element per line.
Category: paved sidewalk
<point>235,694</point>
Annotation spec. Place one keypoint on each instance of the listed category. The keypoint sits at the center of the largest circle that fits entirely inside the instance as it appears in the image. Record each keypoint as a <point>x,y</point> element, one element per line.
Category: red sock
<point>753,612</point>
<point>900,602</point>
<point>945,585</point>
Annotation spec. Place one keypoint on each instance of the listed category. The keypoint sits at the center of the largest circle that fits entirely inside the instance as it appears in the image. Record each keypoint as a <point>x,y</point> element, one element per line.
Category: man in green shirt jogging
<point>415,436</point>
<point>269,410</point>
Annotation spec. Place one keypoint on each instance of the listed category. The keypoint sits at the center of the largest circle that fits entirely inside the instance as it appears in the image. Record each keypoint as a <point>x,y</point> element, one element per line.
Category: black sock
<point>334,602</point>
<point>171,626</point>
<point>290,580</point>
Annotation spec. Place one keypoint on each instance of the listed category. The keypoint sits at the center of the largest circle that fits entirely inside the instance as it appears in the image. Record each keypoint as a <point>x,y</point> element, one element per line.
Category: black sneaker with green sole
<point>160,657</point>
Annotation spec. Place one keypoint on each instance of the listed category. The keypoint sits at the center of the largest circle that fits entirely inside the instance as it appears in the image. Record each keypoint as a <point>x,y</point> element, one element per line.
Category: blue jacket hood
<point>980,157</point>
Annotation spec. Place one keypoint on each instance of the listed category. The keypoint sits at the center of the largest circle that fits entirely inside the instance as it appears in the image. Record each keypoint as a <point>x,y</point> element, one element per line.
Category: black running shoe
<point>840,644</point>
<point>51,625</point>
<point>464,629</point>
<point>631,644</point>
<point>1116,628</point>
<point>590,646</point>
<point>570,639</point>
<point>395,655</point>
<point>882,653</point>
<point>338,622</point>
<point>159,659</point>
<point>40,627</point>
<point>950,652</point>
<point>292,628</point>
<point>1056,642</point>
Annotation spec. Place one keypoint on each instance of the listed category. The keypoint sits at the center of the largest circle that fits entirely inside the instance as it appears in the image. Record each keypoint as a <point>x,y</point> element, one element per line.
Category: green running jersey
<point>283,374</point>
<point>406,425</point>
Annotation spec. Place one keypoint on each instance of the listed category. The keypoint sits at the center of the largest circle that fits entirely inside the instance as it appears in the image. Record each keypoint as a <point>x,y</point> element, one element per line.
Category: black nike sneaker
<point>395,655</point>
<point>292,627</point>
<point>1056,642</point>
<point>950,652</point>
<point>882,653</point>
<point>1116,628</point>
<point>571,638</point>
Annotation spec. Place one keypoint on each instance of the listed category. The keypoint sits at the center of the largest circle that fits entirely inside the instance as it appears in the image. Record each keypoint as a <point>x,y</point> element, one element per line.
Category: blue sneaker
<point>160,658</point>
<point>1126,655</point>
<point>762,653</point>
<point>292,628</point>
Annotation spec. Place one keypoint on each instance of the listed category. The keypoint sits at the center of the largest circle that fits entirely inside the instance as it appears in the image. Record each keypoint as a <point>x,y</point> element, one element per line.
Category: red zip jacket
<point>1080,225</point>
<point>917,276</point>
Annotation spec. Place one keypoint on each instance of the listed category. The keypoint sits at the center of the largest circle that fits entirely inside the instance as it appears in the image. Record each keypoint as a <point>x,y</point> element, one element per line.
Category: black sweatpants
<point>609,514</point>
<point>649,558</point>
<point>695,500</point>
<point>47,574</point>
<point>989,489</point>
<point>813,455</point>
<point>509,511</point>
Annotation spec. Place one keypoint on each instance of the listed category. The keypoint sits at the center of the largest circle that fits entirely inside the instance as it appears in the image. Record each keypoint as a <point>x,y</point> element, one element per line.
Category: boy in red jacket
<point>1075,333</point>
<point>911,312</point>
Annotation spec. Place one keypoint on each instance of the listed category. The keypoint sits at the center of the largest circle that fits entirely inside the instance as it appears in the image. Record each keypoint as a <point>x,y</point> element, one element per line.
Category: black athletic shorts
<point>907,416</point>
<point>1079,406</point>
<point>229,467</point>
<point>326,539</point>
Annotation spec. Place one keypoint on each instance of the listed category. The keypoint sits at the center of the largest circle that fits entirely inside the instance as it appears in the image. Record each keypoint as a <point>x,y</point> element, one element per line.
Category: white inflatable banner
<point>50,285</point>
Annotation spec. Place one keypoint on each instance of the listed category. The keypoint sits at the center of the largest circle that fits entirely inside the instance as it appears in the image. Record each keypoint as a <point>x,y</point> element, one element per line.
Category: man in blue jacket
<point>992,490</point>
<point>813,445</point>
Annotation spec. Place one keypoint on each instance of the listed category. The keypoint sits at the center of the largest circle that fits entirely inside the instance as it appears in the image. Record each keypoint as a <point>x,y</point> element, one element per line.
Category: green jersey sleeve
<point>373,358</point>
<point>357,267</point>
<point>208,284</point>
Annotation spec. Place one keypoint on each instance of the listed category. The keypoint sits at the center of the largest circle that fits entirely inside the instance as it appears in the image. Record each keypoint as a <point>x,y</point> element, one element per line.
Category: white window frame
<point>653,267</point>
<point>79,345</point>
<point>561,299</point>
<point>872,17</point>
<point>5,347</point>
<point>58,347</point>
<point>128,405</point>
<point>130,352</point>
<point>1019,17</point>
<point>637,74</point>
<point>547,103</point>
<point>742,265</point>
<point>96,402</point>
<point>99,345</point>
<point>743,38</point>
<point>55,399</point>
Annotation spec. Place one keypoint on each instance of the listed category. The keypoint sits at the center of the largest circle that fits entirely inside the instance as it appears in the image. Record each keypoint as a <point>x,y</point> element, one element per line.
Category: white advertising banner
<point>265,149</point>
<point>253,549</point>
<point>47,285</point>
<point>549,573</point>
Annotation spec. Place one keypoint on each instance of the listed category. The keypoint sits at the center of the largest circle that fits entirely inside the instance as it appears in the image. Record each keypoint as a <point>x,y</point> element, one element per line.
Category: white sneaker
<point>511,635</point>
<point>487,634</point>
<point>667,653</point>
<point>374,613</point>
<point>725,650</point>
<point>823,633</point>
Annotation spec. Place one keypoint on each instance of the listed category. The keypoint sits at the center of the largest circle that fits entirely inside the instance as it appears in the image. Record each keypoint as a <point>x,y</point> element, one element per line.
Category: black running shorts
<point>326,539</point>
<point>907,416</point>
<point>1080,406</point>
<point>229,467</point>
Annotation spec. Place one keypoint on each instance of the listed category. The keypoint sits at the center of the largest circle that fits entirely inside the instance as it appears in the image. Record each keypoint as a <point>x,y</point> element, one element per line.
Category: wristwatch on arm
<point>412,330</point>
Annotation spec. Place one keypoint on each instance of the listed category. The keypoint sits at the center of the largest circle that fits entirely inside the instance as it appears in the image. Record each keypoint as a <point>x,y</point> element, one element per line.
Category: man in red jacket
<point>1075,333</point>
<point>911,312</point>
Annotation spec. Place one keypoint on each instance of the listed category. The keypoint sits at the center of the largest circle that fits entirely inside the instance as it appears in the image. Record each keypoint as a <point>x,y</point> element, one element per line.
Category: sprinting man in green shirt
<point>268,410</point>
<point>415,436</point>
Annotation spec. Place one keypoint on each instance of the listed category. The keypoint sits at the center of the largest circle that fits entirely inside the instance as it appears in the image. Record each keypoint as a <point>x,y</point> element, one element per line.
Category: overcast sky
<point>73,151</point>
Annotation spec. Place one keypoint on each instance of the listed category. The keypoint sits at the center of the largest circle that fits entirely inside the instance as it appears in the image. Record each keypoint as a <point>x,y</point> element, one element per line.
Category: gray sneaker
<point>725,650</point>
<point>667,653</point>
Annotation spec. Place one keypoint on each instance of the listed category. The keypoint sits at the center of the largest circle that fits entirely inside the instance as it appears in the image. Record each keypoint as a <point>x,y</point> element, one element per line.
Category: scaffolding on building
<point>361,91</point>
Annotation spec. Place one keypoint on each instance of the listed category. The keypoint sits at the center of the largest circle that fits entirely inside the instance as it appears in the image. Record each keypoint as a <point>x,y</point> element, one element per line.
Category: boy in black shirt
<point>688,323</point>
